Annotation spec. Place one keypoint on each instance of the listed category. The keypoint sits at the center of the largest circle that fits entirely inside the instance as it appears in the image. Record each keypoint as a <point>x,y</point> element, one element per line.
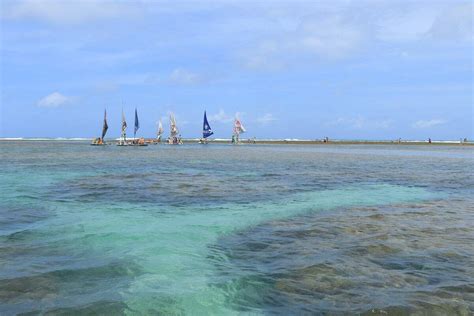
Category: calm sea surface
<point>225,230</point>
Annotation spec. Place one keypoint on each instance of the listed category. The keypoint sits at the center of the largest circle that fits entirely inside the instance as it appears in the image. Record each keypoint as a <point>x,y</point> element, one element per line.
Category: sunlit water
<point>245,229</point>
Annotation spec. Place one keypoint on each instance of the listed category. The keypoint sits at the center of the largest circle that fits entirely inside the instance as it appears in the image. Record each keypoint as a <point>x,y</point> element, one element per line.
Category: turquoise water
<point>235,229</point>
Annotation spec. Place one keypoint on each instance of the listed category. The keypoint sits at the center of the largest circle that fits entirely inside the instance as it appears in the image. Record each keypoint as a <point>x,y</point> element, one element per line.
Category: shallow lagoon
<point>251,229</point>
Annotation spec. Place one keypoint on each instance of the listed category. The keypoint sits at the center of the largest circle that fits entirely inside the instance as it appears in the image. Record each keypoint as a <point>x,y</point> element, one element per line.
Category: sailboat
<point>100,141</point>
<point>206,130</point>
<point>159,132</point>
<point>238,129</point>
<point>141,141</point>
<point>175,138</point>
<point>123,136</point>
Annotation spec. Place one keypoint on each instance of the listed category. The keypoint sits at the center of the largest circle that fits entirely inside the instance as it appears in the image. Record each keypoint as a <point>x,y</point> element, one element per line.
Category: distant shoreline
<point>268,141</point>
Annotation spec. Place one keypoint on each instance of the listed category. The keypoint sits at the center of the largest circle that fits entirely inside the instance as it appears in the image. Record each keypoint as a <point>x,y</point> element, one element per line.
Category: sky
<point>289,69</point>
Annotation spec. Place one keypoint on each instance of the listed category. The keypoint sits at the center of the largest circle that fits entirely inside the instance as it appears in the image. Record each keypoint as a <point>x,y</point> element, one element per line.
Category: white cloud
<point>183,76</point>
<point>382,123</point>
<point>266,119</point>
<point>68,12</point>
<point>440,21</point>
<point>111,58</point>
<point>221,117</point>
<point>455,23</point>
<point>404,24</point>
<point>178,76</point>
<point>361,122</point>
<point>331,36</point>
<point>318,31</point>
<point>428,123</point>
<point>54,100</point>
<point>263,57</point>
<point>328,36</point>
<point>263,35</point>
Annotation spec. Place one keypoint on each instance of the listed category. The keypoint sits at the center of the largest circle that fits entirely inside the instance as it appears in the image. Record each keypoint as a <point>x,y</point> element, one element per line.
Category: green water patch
<point>169,246</point>
<point>174,250</point>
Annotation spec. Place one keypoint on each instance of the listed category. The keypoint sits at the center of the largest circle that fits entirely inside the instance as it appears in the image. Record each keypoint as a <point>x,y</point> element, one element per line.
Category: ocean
<point>236,230</point>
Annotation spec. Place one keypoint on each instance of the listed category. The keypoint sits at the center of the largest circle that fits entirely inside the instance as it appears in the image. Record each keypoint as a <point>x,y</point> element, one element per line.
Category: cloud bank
<point>428,123</point>
<point>266,119</point>
<point>54,100</point>
<point>69,12</point>
<point>360,122</point>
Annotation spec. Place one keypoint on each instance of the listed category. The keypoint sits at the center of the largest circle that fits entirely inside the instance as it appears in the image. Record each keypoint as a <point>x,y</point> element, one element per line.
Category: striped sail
<point>173,127</point>
<point>238,127</point>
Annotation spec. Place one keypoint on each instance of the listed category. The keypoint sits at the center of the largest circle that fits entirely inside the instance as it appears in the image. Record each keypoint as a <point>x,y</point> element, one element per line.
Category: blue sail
<point>206,129</point>
<point>137,124</point>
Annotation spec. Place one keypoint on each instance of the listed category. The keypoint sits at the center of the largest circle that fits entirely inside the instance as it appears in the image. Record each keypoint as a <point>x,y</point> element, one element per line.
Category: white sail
<point>160,129</point>
<point>173,127</point>
<point>242,128</point>
<point>124,127</point>
<point>175,138</point>
<point>238,127</point>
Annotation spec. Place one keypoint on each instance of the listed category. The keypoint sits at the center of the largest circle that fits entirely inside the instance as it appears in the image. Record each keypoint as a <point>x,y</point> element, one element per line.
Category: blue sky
<point>289,69</point>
